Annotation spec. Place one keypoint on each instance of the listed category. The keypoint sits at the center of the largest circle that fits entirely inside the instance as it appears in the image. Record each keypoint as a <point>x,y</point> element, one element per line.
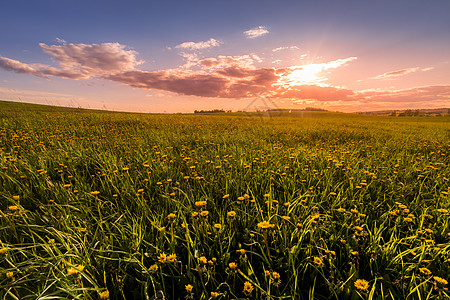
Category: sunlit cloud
<point>199,45</point>
<point>285,48</point>
<point>256,32</point>
<point>398,73</point>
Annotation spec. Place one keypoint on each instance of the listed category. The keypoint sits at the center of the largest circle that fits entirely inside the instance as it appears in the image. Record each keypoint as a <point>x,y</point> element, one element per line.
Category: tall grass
<point>128,206</point>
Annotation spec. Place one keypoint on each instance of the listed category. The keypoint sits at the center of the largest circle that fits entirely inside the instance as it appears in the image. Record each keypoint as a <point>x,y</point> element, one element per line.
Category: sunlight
<point>308,74</point>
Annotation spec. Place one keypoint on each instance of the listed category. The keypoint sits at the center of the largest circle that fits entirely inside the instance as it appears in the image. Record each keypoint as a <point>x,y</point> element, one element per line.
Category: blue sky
<point>340,55</point>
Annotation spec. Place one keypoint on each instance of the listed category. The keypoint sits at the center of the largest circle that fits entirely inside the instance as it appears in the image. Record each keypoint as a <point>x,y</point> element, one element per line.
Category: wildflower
<point>200,203</point>
<point>188,288</point>
<point>407,220</point>
<point>286,218</point>
<point>203,260</point>
<point>226,196</point>
<point>362,284</point>
<point>358,228</point>
<point>232,265</point>
<point>162,258</point>
<point>343,242</point>
<point>355,253</point>
<point>440,281</point>
<point>425,271</point>
<point>354,211</point>
<point>341,210</point>
<point>393,213</point>
<point>95,193</point>
<point>231,214</point>
<point>428,230</point>
<point>248,288</point>
<point>266,195</point>
<point>204,213</point>
<point>287,204</point>
<point>276,275</point>
<point>214,295</point>
<point>333,194</point>
<point>442,210</point>
<point>241,251</point>
<point>218,226</point>
<point>318,261</point>
<point>16,198</point>
<point>267,273</point>
<point>104,295</point>
<point>265,225</point>
<point>13,207</point>
<point>172,257</point>
<point>401,206</point>
<point>194,214</point>
<point>3,251</point>
<point>9,275</point>
<point>153,268</point>
<point>75,270</point>
<point>171,216</point>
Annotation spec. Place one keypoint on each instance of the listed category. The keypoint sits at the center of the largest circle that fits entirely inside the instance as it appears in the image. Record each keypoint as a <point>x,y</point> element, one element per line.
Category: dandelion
<point>318,261</point>
<point>200,203</point>
<point>104,295</point>
<point>248,288</point>
<point>362,284</point>
<point>231,214</point>
<point>354,211</point>
<point>95,193</point>
<point>3,251</point>
<point>9,275</point>
<point>16,198</point>
<point>204,213</point>
<point>162,258</point>
<point>153,268</point>
<point>276,275</point>
<point>171,216</point>
<point>172,257</point>
<point>440,281</point>
<point>355,253</point>
<point>203,260</point>
<point>194,214</point>
<point>214,295</point>
<point>241,251</point>
<point>188,288</point>
<point>232,266</point>
<point>341,210</point>
<point>358,228</point>
<point>425,271</point>
<point>75,270</point>
<point>13,207</point>
<point>265,225</point>
<point>407,220</point>
<point>218,226</point>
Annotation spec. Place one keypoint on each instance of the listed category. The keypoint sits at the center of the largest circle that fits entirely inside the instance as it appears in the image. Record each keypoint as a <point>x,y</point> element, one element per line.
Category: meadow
<point>102,205</point>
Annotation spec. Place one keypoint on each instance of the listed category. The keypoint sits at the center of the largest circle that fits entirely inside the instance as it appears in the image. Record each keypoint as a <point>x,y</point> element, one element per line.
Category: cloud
<point>427,94</point>
<point>199,45</point>
<point>256,32</point>
<point>397,73</point>
<point>79,61</point>
<point>285,48</point>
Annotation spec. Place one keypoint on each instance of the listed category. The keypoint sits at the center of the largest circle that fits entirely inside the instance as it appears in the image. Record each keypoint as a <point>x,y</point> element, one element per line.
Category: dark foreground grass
<point>128,206</point>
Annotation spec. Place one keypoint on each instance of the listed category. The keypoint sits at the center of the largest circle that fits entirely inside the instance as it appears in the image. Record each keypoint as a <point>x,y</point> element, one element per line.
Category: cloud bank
<point>233,77</point>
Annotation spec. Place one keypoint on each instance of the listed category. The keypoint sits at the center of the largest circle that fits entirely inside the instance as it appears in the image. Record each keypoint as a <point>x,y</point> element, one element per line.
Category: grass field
<point>98,205</point>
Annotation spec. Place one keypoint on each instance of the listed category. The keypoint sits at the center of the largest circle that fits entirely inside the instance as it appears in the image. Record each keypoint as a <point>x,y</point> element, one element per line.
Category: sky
<point>181,56</point>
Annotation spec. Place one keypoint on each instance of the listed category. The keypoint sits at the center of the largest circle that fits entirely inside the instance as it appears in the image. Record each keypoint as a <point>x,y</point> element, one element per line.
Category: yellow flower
<point>75,270</point>
<point>214,295</point>
<point>13,207</point>
<point>354,211</point>
<point>231,214</point>
<point>358,228</point>
<point>248,288</point>
<point>194,214</point>
<point>171,216</point>
<point>16,197</point>
<point>286,218</point>
<point>95,193</point>
<point>407,220</point>
<point>442,210</point>
<point>341,210</point>
<point>153,268</point>
<point>226,196</point>
<point>162,258</point>
<point>362,284</point>
<point>203,260</point>
<point>9,275</point>
<point>200,203</point>
<point>218,226</point>
<point>276,275</point>
<point>355,253</point>
<point>188,288</point>
<point>265,225</point>
<point>425,271</point>
<point>172,257</point>
<point>440,281</point>
<point>232,265</point>
<point>104,295</point>
<point>3,251</point>
<point>267,273</point>
<point>241,251</point>
<point>318,261</point>
<point>204,213</point>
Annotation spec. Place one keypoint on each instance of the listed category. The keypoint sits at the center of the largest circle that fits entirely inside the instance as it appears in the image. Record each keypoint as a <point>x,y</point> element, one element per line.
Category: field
<point>98,205</point>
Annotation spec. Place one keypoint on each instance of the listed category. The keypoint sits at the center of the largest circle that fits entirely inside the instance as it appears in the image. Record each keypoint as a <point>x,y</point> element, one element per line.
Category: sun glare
<point>308,74</point>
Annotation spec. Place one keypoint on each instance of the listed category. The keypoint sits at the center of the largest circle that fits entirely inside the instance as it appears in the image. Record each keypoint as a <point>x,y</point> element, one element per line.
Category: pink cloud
<point>398,73</point>
<point>256,32</point>
<point>199,45</point>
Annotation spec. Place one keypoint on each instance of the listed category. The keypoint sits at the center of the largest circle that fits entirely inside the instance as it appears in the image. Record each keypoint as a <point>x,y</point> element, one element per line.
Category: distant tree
<point>393,113</point>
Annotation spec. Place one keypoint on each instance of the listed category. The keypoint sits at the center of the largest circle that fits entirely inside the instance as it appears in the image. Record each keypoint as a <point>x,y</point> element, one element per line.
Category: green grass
<point>348,197</point>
